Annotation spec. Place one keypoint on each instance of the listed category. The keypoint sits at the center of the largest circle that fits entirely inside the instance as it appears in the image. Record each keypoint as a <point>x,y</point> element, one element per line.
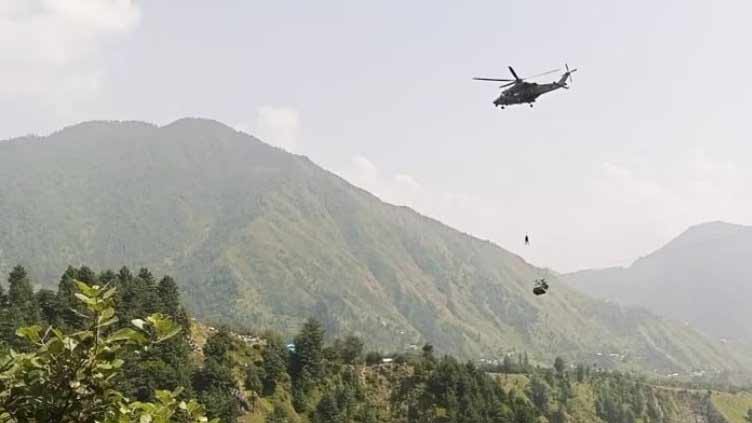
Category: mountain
<point>257,236</point>
<point>702,277</point>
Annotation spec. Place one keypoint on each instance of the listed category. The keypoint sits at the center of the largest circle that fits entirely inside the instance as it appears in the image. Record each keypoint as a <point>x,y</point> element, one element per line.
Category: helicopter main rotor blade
<point>493,79</point>
<point>542,74</point>
<point>507,84</point>
<point>514,73</point>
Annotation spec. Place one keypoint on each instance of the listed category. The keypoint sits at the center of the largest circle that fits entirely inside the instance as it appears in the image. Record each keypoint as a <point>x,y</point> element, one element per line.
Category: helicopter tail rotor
<point>566,77</point>
<point>570,72</point>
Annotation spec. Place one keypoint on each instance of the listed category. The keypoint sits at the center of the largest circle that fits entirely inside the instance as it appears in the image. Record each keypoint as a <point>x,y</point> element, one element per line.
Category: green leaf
<point>164,327</point>
<point>108,322</point>
<point>89,291</point>
<point>32,333</point>
<point>107,313</point>
<point>85,299</point>
<point>69,343</point>
<point>126,334</point>
<point>55,346</point>
<point>109,293</point>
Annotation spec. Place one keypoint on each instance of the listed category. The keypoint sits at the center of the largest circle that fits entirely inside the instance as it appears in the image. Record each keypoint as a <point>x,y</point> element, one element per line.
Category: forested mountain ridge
<point>114,366</point>
<point>701,277</point>
<point>261,237</point>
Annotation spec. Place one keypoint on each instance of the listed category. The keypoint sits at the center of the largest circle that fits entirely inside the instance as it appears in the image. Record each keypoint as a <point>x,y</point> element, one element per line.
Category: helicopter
<point>520,91</point>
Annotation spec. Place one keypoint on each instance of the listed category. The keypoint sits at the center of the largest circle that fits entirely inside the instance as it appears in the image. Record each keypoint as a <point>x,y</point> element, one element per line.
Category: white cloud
<point>50,48</point>
<point>407,181</point>
<point>365,169</point>
<point>278,126</point>
<point>405,190</point>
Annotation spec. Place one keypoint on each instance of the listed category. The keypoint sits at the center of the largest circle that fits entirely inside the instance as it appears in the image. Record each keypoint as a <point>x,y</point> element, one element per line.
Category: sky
<point>653,137</point>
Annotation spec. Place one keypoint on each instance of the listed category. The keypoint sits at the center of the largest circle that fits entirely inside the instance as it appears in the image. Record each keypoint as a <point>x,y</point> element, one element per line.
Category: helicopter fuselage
<point>524,92</point>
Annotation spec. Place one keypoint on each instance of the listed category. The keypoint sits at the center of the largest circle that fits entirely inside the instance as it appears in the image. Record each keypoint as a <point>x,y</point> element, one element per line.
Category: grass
<point>733,406</point>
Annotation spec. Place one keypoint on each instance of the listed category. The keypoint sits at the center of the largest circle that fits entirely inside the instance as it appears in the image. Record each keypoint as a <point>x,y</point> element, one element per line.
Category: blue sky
<point>652,138</point>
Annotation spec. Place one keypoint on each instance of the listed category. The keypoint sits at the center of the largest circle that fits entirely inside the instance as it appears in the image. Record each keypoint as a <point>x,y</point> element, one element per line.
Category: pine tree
<point>539,394</point>
<point>274,366</point>
<point>66,300</point>
<point>351,349</point>
<point>508,364</point>
<point>219,345</point>
<point>146,292</point>
<point>49,307</point>
<point>580,373</point>
<point>253,378</point>
<point>21,297</point>
<point>327,410</point>
<point>559,365</point>
<point>279,415</point>
<point>306,365</point>
<point>107,277</point>
<point>215,386</point>
<point>169,295</point>
<point>428,352</point>
<point>7,324</point>
<point>145,275</point>
<point>86,275</point>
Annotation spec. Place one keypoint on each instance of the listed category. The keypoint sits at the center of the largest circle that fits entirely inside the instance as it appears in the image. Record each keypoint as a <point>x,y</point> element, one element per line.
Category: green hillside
<point>259,237</point>
<point>703,275</point>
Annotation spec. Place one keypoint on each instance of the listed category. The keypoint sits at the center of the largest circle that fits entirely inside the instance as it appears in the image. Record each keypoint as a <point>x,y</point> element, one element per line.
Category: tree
<point>508,365</point>
<point>560,415</point>
<point>373,357</point>
<point>21,297</point>
<point>428,352</point>
<point>73,378</point>
<point>279,415</point>
<point>253,378</point>
<point>540,394</point>
<point>352,349</point>
<point>748,417</point>
<point>219,345</point>
<point>305,364</point>
<point>216,388</point>
<point>560,365</point>
<point>580,373</point>
<point>66,291</point>
<point>274,365</point>
<point>49,307</point>
<point>169,295</point>
<point>327,410</point>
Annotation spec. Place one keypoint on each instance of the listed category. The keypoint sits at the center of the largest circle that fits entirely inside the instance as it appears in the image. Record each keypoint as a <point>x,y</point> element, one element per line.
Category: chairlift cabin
<point>541,287</point>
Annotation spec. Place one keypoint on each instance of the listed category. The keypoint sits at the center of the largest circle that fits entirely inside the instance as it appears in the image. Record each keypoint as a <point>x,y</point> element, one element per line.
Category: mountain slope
<point>701,277</point>
<point>261,237</point>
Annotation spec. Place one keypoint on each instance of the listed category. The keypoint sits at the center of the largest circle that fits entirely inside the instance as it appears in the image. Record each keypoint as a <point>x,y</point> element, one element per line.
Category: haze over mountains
<point>261,237</point>
<point>703,276</point>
